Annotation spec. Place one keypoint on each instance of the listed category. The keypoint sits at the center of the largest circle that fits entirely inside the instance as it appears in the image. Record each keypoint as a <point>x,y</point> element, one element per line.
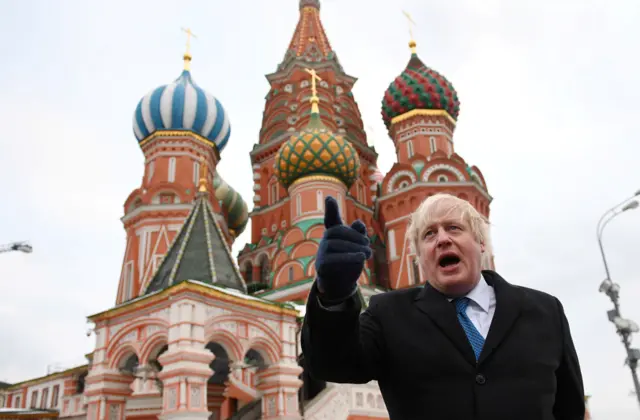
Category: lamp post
<point>17,246</point>
<point>624,327</point>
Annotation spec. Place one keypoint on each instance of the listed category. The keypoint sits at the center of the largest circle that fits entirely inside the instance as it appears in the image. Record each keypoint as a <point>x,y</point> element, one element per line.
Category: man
<point>466,346</point>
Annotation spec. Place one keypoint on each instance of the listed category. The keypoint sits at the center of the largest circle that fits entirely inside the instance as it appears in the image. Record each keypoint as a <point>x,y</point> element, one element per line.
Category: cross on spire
<point>314,77</point>
<point>412,42</point>
<point>314,90</point>
<point>187,54</point>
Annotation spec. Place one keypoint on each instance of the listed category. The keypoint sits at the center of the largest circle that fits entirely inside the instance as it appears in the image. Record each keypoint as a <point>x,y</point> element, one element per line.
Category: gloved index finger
<point>331,213</point>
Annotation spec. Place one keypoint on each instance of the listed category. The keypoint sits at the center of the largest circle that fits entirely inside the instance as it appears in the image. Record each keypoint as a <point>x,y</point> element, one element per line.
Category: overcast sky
<point>549,112</point>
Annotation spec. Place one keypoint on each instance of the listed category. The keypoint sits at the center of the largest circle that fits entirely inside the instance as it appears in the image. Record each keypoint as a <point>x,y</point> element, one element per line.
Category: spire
<point>309,39</point>
<point>187,54</point>
<point>310,3</point>
<point>412,42</point>
<point>198,253</point>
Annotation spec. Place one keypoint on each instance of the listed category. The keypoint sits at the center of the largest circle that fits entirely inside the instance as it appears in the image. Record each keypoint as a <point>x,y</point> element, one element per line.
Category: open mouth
<point>448,260</point>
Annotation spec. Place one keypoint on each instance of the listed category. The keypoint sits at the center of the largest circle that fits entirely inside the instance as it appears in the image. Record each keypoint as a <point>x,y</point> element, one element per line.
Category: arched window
<point>150,169</point>
<point>360,192</point>
<point>273,191</point>
<point>264,269</point>
<point>290,274</point>
<point>196,172</point>
<point>432,143</point>
<point>127,278</point>
<point>172,169</point>
<point>409,149</point>
<point>130,365</point>
<point>81,381</point>
<point>248,272</point>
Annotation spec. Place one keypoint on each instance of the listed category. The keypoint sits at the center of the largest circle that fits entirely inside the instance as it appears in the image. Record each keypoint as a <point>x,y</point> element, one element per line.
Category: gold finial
<point>187,54</point>
<point>314,91</point>
<point>202,185</point>
<point>412,42</point>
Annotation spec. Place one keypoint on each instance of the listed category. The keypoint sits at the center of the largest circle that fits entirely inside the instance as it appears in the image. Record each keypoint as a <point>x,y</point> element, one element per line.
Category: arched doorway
<point>217,403</point>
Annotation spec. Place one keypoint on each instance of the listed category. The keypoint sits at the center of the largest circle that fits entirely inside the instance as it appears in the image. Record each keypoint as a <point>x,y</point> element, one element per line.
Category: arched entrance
<point>217,402</point>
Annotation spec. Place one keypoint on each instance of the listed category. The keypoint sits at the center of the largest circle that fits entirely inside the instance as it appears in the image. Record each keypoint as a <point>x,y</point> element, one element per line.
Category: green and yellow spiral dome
<point>317,151</point>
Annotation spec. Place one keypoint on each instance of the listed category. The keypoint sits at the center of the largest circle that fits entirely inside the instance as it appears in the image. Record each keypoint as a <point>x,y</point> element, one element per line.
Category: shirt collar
<point>481,294</point>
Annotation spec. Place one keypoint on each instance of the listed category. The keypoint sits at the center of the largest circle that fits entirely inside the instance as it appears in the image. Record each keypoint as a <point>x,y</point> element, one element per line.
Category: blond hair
<point>440,205</point>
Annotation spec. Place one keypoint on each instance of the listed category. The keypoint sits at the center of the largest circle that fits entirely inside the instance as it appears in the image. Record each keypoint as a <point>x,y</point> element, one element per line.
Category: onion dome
<point>182,105</point>
<point>419,87</point>
<point>316,150</point>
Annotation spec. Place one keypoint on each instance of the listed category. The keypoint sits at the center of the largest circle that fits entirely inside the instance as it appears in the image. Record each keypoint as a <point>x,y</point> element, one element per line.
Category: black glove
<point>341,255</point>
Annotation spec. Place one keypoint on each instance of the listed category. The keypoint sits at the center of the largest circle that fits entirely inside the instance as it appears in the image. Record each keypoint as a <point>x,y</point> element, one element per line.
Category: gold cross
<point>189,35</point>
<point>314,77</point>
<point>411,23</point>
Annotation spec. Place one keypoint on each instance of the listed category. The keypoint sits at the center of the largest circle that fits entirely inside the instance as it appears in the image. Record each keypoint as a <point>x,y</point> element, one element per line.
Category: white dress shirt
<point>482,306</point>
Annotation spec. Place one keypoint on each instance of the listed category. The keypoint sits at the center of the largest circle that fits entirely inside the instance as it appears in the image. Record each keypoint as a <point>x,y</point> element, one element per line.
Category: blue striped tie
<point>474,336</point>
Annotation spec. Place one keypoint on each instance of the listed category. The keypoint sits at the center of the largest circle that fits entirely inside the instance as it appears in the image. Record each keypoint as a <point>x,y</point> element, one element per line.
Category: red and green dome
<point>316,151</point>
<point>419,87</point>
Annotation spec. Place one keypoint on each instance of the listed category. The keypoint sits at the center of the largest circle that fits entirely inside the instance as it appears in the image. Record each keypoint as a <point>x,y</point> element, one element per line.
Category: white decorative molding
<point>339,401</point>
<point>195,396</point>
<point>255,332</point>
<point>274,325</point>
<point>162,314</point>
<point>394,178</point>
<point>214,311</point>
<point>230,326</point>
<point>444,167</point>
<point>151,329</point>
<point>113,330</point>
<point>132,336</point>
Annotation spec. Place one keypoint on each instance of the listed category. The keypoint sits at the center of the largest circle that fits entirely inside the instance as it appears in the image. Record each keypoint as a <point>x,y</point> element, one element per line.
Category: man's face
<point>450,255</point>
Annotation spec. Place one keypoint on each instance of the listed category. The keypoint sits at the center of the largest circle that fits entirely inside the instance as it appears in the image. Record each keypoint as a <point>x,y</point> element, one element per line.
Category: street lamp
<point>624,327</point>
<point>17,246</point>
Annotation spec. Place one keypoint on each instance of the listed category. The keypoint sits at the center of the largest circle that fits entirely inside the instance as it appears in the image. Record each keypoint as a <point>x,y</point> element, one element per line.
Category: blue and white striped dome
<point>182,105</point>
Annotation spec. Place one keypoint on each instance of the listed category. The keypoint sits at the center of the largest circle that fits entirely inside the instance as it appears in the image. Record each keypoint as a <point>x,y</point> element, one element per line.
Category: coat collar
<point>443,314</point>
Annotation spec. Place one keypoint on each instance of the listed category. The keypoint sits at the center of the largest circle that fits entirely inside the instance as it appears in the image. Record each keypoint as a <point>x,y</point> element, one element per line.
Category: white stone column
<point>279,385</point>
<point>185,365</point>
<point>106,391</point>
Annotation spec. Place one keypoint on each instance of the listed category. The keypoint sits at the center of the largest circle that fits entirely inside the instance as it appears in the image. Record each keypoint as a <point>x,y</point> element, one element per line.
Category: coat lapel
<point>509,301</point>
<point>443,314</point>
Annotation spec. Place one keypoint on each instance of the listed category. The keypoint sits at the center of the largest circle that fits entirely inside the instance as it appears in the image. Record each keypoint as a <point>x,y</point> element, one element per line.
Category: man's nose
<point>442,238</point>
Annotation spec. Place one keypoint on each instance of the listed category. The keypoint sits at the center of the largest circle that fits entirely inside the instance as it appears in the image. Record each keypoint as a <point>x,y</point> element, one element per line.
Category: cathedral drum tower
<point>179,127</point>
<point>312,143</point>
<point>312,165</point>
<point>420,110</point>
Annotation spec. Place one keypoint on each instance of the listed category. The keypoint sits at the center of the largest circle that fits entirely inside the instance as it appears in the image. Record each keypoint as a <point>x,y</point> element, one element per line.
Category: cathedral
<point>197,333</point>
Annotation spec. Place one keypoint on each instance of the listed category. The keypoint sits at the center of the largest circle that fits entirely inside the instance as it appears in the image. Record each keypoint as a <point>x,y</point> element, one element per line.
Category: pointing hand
<point>341,254</point>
